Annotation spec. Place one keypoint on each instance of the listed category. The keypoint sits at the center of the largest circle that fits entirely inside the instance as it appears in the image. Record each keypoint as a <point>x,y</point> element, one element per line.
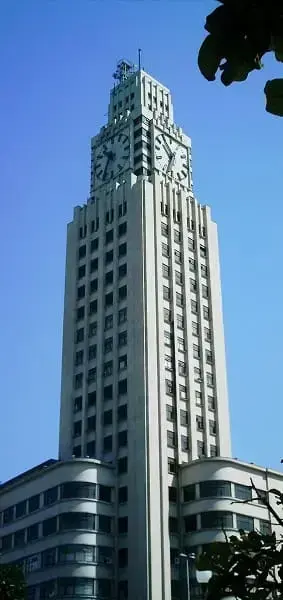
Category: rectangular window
<point>92,352</point>
<point>172,465</point>
<point>122,494</point>
<point>94,245</point>
<point>184,417</point>
<point>122,315</point>
<point>19,538</point>
<point>178,256</point>
<point>108,392</point>
<point>179,299</point>
<point>32,532</point>
<point>108,345</point>
<point>91,398</point>
<point>211,402</point>
<point>170,413</point>
<point>177,236</point>
<point>78,382</point>
<point>91,376</point>
<point>182,368</point>
<point>189,492</point>
<point>79,358</point>
<point>93,265</point>
<point>107,417</point>
<point>171,439</point>
<point>92,329</point>
<point>192,264</point>
<point>122,387</point>
<point>8,515</point>
<point>107,444</point>
<point>184,443</point>
<point>209,379</point>
<point>183,392</point>
<point>166,293</point>
<point>169,387</point>
<point>190,522</point>
<point>165,250</point>
<point>81,271</point>
<point>77,429</point>
<point>193,285</point>
<point>217,520</point>
<point>108,278</point>
<point>199,423</point>
<point>245,523</point>
<point>164,229</point>
<point>50,496</point>
<point>122,250</point>
<point>204,291</point>
<point>215,489</point>
<point>91,424</point>
<point>122,339</point>
<point>180,321</point>
<point>213,450</point>
<point>212,427</point>
<point>172,494</point>
<point>122,466</point>
<point>122,413</point>
<point>93,307</point>
<point>167,315</point>
<point>34,503</point>
<point>195,328</point>
<point>109,236</point>
<point>243,492</point>
<point>191,245</point>
<point>93,286</point>
<point>198,396</point>
<point>122,362</point>
<point>207,334</point>
<point>165,271</point>
<point>122,229</point>
<point>21,509</point>
<point>203,270</point>
<point>265,527</point>
<point>181,344</point>
<point>208,357</point>
<point>194,307</point>
<point>122,271</point>
<point>168,363</point>
<point>81,292</point>
<point>108,323</point>
<point>196,351</point>
<point>122,439</point>
<point>109,257</point>
<point>122,294</point>
<point>178,277</point>
<point>202,251</point>
<point>80,313</point>
<point>108,368</point>
<point>109,299</point>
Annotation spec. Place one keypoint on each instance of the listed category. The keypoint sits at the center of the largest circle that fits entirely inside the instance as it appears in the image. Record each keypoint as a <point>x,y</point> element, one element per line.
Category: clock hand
<point>167,147</point>
<point>171,162</point>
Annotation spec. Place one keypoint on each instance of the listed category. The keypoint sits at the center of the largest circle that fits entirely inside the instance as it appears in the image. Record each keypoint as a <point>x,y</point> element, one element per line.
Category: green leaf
<point>209,57</point>
<point>274,97</point>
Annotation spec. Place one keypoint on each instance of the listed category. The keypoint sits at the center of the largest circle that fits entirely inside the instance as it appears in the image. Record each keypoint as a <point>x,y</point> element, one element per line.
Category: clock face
<point>111,157</point>
<point>171,157</point>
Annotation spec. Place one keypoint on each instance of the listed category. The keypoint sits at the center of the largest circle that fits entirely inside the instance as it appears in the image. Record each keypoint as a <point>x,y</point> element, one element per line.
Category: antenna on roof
<point>140,59</point>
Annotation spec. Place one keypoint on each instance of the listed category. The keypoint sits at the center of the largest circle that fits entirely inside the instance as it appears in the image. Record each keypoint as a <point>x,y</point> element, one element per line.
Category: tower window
<point>81,271</point>
<point>122,412</point>
<point>93,265</point>
<point>122,387</point>
<point>82,251</point>
<point>122,251</point>
<point>107,417</point>
<point>122,468</point>
<point>108,392</point>
<point>91,377</point>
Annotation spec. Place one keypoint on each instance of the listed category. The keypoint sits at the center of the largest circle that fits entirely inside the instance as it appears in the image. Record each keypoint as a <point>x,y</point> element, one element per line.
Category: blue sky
<point>57,58</point>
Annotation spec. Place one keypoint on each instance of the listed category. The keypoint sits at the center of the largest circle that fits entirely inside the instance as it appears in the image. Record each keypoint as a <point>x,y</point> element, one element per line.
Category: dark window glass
<point>123,465</point>
<point>123,525</point>
<point>104,493</point>
<point>122,438</point>
<point>265,527</point>
<point>109,277</point>
<point>78,404</point>
<point>122,292</point>
<point>32,532</point>
<point>49,526</point>
<point>93,286</point>
<point>33,503</point>
<point>93,265</point>
<point>109,257</point>
<point>8,515</point>
<point>109,236</point>
<point>19,538</point>
<point>122,315</point>
<point>122,494</point>
<point>123,589</point>
<point>92,352</point>
<point>76,520</point>
<point>81,271</point>
<point>217,520</point>
<point>7,542</point>
<point>90,449</point>
<point>80,313</point>
<point>122,270</point>
<point>108,324</point>
<point>77,428</point>
<point>217,488</point>
<point>122,251</point>
<point>243,492</point>
<point>77,451</point>
<point>189,492</point>
<point>190,523</point>
<point>91,424</point>
<point>122,338</point>
<point>104,523</point>
<point>82,251</point>
<point>81,292</point>
<point>49,557</point>
<point>92,329</point>
<point>91,398</point>
<point>122,387</point>
<point>93,307</point>
<point>107,417</point>
<point>122,230</point>
<point>51,496</point>
<point>78,489</point>
<point>122,557</point>
<point>109,299</point>
<point>245,523</point>
<point>80,335</point>
<point>122,412</point>
<point>108,392</point>
<point>21,509</point>
<point>172,494</point>
<point>91,376</point>
<point>94,245</point>
<point>107,443</point>
<point>79,358</point>
<point>173,525</point>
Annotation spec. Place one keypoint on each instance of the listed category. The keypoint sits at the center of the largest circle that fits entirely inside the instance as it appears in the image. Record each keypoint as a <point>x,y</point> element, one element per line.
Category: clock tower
<point>143,370</point>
